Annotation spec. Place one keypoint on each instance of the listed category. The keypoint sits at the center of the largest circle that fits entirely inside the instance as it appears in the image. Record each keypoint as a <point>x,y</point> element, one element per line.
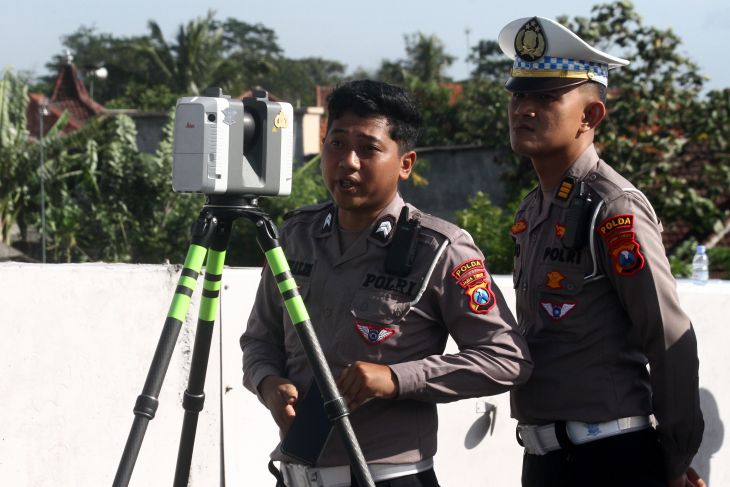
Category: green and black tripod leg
<point>210,235</point>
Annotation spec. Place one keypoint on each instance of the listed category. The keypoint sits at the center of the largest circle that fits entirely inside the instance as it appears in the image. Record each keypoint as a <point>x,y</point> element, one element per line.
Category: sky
<point>358,34</point>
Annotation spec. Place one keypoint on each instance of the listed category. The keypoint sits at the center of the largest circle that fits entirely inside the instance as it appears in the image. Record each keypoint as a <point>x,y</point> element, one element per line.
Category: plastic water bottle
<point>700,266</point>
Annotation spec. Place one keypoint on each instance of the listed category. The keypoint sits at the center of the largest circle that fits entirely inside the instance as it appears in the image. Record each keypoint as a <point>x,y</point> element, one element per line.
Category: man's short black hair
<point>368,98</point>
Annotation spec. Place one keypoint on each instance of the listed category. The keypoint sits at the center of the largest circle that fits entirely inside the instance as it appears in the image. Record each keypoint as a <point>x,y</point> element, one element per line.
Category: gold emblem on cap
<point>530,42</point>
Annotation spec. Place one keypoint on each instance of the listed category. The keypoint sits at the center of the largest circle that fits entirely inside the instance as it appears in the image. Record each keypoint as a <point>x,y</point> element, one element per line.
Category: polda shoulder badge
<point>530,42</point>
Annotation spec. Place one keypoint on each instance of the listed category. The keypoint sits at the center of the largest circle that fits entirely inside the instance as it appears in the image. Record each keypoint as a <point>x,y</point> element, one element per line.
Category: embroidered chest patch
<point>518,227</point>
<point>555,280</point>
<point>373,334</point>
<point>472,276</point>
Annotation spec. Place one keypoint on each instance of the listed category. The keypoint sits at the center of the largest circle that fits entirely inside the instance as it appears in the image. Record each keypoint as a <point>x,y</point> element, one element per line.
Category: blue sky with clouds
<point>359,34</point>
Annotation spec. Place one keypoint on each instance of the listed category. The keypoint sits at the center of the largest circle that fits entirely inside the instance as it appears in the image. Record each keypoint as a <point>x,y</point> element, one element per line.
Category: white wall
<point>77,342</point>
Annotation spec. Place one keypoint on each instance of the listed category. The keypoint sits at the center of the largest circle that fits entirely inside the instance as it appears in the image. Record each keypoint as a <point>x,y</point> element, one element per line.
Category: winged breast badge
<point>557,311</point>
<point>373,334</point>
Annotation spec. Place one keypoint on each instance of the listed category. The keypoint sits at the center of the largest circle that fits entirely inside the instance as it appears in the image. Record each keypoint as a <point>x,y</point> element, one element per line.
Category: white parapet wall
<point>77,343</point>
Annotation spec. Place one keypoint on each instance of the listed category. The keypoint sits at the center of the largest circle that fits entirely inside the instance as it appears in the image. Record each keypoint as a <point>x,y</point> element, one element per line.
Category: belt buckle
<point>301,475</point>
<point>312,476</point>
<point>530,439</point>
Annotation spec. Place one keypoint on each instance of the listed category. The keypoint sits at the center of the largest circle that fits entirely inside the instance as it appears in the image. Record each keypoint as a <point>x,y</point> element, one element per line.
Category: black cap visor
<point>535,84</point>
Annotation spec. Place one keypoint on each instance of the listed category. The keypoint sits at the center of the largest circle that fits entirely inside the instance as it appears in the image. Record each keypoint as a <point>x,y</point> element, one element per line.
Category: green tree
<point>671,143</point>
<point>489,226</point>
<point>650,134</point>
<point>393,72</point>
<point>150,72</point>
<point>296,80</point>
<point>489,61</point>
<point>15,152</point>
<point>194,61</point>
<point>426,57</point>
<point>426,60</point>
<point>89,50</point>
<point>252,53</point>
<point>19,156</point>
<point>440,114</point>
<point>105,200</point>
<point>422,72</point>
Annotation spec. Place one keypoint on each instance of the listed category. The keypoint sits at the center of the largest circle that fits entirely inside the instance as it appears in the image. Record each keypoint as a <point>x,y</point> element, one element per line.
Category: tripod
<point>210,235</point>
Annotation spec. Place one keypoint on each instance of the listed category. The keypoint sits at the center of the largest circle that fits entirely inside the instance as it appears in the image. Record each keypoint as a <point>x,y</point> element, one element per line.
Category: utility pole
<point>42,112</point>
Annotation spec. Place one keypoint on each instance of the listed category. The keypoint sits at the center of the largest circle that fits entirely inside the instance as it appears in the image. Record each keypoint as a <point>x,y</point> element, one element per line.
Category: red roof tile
<point>69,94</point>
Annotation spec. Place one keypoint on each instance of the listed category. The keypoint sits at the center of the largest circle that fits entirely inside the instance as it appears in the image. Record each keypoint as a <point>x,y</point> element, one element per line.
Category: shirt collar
<point>326,222</point>
<point>584,164</point>
<point>570,184</point>
<point>380,231</point>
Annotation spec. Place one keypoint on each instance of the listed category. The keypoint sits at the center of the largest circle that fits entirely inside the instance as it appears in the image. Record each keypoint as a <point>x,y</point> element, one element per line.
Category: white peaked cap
<point>547,55</point>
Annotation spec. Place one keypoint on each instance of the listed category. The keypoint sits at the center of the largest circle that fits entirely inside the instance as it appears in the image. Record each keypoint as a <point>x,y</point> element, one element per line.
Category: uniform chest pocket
<point>380,307</point>
<point>560,280</point>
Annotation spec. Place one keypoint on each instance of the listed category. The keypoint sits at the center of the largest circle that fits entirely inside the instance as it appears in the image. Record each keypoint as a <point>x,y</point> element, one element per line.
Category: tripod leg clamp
<point>193,402</point>
<point>336,409</point>
<point>146,406</point>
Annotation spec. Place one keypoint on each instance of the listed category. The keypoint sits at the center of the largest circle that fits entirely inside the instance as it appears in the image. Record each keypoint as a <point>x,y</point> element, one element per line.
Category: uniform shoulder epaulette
<point>439,226</point>
<point>607,183</point>
<point>610,186</point>
<point>309,209</point>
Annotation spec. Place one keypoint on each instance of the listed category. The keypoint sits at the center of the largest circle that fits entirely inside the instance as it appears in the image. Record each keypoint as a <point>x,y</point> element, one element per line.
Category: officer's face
<point>546,124</point>
<point>361,167</point>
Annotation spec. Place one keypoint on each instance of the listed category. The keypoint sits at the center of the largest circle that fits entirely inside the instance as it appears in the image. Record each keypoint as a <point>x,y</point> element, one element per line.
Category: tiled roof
<point>69,94</point>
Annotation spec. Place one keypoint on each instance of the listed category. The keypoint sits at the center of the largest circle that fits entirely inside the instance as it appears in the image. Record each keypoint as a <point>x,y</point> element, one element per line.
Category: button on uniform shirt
<point>360,311</point>
<point>591,324</point>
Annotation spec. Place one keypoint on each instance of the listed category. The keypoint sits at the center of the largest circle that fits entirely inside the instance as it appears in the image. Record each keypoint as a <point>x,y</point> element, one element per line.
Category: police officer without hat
<point>594,292</point>
<point>384,288</point>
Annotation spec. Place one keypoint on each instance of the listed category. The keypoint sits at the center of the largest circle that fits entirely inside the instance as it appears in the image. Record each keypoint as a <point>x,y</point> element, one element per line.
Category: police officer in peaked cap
<point>594,293</point>
<point>385,285</point>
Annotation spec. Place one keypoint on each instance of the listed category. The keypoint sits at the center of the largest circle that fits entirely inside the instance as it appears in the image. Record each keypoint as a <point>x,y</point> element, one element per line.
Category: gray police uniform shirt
<point>592,325</point>
<point>361,312</point>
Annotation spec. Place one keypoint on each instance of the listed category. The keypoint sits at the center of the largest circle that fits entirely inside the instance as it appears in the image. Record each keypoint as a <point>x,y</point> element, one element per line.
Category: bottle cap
<point>700,249</point>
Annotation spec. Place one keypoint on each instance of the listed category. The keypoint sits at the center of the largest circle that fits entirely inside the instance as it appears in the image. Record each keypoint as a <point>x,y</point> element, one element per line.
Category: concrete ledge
<point>78,340</point>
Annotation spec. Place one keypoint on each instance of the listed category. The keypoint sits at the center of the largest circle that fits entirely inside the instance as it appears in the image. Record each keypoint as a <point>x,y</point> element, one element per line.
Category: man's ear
<point>593,114</point>
<point>407,161</point>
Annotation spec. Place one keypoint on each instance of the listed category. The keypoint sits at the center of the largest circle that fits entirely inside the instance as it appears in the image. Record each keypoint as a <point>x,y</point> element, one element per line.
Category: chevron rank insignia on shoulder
<point>327,225</point>
<point>383,228</point>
